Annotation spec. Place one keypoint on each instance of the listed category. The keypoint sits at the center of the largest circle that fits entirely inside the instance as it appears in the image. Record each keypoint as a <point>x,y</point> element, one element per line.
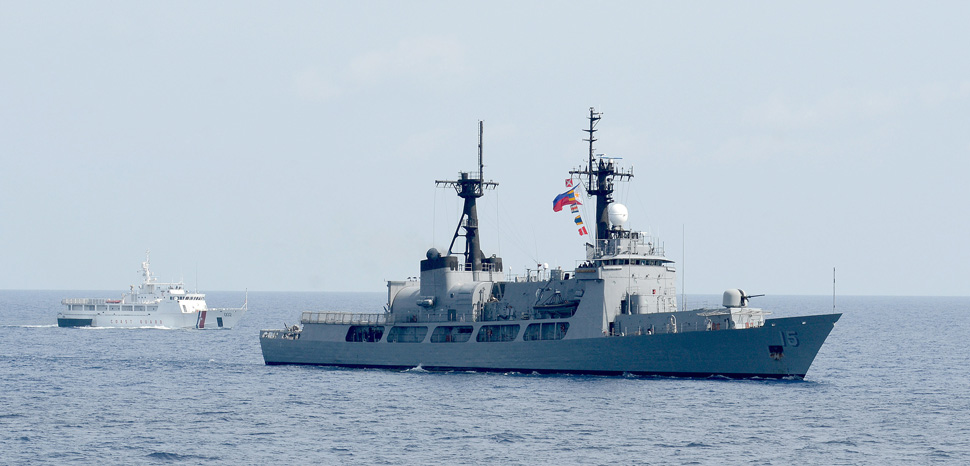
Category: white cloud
<point>424,59</point>
<point>856,122</point>
<point>761,147</point>
<point>835,109</point>
<point>418,60</point>
<point>938,93</point>
<point>418,146</point>
<point>843,106</point>
<point>312,85</point>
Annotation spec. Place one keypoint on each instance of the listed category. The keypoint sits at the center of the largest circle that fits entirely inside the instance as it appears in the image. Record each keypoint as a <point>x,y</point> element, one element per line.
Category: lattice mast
<point>470,188</point>
<point>600,174</point>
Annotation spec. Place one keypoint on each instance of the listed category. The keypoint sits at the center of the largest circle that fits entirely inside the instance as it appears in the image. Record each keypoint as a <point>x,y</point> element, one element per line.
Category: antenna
<point>683,265</point>
<point>833,289</point>
<point>593,118</point>
<point>481,167</point>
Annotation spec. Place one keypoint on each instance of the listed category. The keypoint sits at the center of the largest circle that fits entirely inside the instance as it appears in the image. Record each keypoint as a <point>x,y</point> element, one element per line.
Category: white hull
<point>205,320</point>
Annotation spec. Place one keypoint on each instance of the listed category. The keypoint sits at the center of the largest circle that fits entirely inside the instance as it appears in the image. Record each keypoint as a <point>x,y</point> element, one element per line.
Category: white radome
<point>617,213</point>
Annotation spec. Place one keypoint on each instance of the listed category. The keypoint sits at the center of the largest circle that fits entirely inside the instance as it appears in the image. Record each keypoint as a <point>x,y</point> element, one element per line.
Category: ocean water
<point>890,386</point>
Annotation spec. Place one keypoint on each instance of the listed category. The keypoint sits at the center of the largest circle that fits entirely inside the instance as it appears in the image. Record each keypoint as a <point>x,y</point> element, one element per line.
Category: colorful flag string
<point>569,198</point>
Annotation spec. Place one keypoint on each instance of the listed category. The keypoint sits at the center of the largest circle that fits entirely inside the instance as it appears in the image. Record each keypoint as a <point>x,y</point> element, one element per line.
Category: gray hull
<point>781,348</point>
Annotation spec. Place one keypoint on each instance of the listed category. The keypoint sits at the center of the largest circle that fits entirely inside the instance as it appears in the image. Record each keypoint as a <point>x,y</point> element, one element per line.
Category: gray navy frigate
<point>615,313</point>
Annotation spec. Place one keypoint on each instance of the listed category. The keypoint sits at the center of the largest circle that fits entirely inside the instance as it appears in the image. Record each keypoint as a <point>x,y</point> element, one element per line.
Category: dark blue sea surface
<point>890,386</point>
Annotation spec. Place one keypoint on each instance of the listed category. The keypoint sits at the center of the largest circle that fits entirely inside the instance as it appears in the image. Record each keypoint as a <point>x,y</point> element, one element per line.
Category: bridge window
<point>445,334</point>
<point>368,333</point>
<point>546,331</point>
<point>490,333</point>
<point>407,334</point>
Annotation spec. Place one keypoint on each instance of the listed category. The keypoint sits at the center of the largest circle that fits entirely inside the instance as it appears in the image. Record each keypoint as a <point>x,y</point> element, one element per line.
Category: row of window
<point>457,333</point>
<point>112,307</point>
<point>632,262</point>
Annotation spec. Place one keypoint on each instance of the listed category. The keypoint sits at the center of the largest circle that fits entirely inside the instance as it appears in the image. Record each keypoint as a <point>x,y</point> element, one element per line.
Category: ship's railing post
<point>344,318</point>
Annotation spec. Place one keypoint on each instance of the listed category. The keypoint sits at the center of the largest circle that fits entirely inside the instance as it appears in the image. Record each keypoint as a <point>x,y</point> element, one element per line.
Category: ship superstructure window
<point>407,334</point>
<point>546,331</point>
<point>497,333</point>
<point>368,333</point>
<point>447,334</point>
<point>652,262</point>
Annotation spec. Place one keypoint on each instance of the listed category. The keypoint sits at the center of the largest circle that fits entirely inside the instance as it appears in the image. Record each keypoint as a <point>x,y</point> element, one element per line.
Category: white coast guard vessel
<point>153,304</point>
<point>614,313</point>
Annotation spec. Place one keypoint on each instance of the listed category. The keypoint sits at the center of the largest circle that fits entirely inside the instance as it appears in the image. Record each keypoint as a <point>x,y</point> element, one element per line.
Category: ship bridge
<point>624,244</point>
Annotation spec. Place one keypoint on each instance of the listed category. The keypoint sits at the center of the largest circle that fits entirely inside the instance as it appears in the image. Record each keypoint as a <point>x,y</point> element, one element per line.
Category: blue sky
<point>294,146</point>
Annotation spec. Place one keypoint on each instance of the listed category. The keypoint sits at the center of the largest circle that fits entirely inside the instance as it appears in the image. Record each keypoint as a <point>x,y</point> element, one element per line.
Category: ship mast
<point>470,188</point>
<point>600,173</point>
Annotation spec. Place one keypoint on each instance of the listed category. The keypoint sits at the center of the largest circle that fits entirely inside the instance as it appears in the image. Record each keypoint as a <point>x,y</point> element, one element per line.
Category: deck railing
<point>84,301</point>
<point>632,243</point>
<point>344,318</point>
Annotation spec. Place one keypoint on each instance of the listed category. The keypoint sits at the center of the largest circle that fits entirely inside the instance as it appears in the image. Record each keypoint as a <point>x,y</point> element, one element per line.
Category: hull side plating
<point>730,353</point>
